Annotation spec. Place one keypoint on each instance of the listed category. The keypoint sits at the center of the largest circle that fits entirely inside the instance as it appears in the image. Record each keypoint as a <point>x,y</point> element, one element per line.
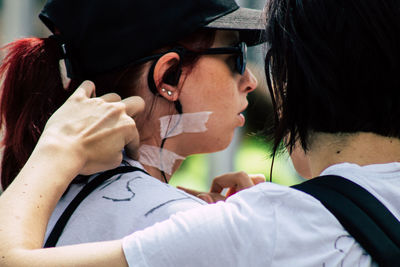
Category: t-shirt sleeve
<point>222,234</point>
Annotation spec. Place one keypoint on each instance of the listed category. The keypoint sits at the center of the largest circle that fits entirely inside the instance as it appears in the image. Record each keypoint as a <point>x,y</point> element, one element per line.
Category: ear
<point>167,76</point>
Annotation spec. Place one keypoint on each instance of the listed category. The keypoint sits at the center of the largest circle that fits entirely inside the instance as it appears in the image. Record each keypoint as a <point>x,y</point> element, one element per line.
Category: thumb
<point>134,105</point>
<point>257,178</point>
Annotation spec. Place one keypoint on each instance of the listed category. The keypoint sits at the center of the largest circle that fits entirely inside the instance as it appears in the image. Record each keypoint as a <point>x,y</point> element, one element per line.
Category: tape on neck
<point>173,125</point>
<point>160,158</point>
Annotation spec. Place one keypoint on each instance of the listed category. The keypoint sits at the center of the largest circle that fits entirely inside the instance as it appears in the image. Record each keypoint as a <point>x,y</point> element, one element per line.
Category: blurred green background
<point>252,157</point>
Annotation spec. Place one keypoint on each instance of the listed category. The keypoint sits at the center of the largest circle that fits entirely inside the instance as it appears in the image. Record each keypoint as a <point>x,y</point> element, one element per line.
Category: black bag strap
<point>360,213</point>
<point>86,190</point>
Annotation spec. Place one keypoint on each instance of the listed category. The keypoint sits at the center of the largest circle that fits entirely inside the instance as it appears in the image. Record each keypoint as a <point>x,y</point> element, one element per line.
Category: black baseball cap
<point>102,35</point>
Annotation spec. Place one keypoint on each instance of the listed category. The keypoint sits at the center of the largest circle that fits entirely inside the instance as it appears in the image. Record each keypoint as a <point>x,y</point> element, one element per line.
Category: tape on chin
<point>173,125</point>
<point>161,159</point>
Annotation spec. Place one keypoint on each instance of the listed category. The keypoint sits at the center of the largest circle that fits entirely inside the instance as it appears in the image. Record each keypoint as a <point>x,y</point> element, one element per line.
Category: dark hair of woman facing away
<point>32,90</point>
<point>338,77</point>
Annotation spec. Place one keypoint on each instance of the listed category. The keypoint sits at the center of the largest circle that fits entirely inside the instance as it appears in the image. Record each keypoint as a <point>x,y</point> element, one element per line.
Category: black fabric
<point>103,35</point>
<point>86,190</point>
<point>361,214</point>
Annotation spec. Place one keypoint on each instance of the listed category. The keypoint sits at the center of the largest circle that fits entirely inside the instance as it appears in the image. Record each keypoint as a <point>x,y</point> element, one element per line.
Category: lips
<point>241,117</point>
<point>244,108</point>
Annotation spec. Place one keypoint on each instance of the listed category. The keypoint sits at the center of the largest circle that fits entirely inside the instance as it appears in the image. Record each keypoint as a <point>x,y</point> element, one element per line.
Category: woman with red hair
<point>332,67</point>
<point>187,63</point>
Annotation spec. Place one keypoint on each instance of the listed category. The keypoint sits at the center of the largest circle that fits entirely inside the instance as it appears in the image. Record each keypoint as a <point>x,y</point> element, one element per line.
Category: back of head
<point>334,66</point>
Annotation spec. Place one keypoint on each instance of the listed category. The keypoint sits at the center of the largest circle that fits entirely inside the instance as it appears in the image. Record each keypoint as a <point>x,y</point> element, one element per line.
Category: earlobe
<point>167,74</point>
<point>170,93</point>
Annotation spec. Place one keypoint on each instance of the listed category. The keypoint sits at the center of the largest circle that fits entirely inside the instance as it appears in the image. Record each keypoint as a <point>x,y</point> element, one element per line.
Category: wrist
<point>65,154</point>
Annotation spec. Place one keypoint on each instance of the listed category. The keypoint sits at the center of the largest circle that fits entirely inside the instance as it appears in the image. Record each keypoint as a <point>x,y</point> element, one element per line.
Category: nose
<point>248,82</point>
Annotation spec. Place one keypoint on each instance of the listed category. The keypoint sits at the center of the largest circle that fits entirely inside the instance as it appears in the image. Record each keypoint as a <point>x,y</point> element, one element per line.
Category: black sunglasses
<point>240,50</point>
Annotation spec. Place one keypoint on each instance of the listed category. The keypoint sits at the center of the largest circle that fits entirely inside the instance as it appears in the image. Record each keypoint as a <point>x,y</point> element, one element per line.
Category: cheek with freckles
<point>220,132</point>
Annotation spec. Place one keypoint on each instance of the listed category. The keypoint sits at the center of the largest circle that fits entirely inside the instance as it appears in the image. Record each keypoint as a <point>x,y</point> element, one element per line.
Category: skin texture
<point>22,230</point>
<point>35,191</point>
<point>224,94</point>
<point>301,162</point>
<point>211,85</point>
<point>22,227</point>
<point>39,185</point>
<point>90,139</point>
<point>360,148</point>
<point>233,182</point>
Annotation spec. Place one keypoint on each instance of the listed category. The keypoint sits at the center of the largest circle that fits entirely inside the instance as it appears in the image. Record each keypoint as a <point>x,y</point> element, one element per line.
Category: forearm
<point>100,254</point>
<point>85,135</point>
<point>26,205</point>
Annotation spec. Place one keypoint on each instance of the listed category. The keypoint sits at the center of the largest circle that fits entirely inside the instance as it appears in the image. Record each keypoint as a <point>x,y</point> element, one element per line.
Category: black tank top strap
<point>86,190</point>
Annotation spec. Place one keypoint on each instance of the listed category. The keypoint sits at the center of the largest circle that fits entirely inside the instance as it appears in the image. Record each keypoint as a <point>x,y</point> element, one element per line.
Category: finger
<point>111,97</point>
<point>190,191</point>
<point>223,181</point>
<point>134,105</point>
<point>238,180</point>
<point>133,142</point>
<point>257,178</point>
<point>87,89</point>
<point>207,198</point>
<point>132,150</point>
<point>216,197</point>
<point>231,191</point>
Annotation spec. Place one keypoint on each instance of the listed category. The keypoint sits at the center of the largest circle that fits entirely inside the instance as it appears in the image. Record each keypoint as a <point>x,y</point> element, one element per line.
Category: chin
<point>210,142</point>
<point>221,143</point>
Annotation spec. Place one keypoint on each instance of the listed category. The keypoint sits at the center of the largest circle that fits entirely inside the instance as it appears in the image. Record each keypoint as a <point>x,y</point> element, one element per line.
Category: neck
<point>181,145</point>
<point>160,163</point>
<point>359,148</point>
<point>148,125</point>
<point>156,173</point>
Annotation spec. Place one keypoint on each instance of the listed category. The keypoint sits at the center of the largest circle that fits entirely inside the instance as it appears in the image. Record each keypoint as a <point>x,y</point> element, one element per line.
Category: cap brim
<point>240,19</point>
<point>249,22</point>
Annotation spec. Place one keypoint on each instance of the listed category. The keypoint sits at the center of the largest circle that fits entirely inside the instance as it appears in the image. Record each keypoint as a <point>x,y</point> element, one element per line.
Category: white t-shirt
<point>120,206</point>
<point>266,225</point>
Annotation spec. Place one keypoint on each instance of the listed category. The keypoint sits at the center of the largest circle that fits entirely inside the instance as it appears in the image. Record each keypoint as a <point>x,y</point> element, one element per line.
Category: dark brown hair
<point>333,66</point>
<point>32,90</point>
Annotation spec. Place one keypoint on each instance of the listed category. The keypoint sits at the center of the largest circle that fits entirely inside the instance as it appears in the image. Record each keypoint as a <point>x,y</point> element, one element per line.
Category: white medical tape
<point>159,158</point>
<point>173,125</point>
